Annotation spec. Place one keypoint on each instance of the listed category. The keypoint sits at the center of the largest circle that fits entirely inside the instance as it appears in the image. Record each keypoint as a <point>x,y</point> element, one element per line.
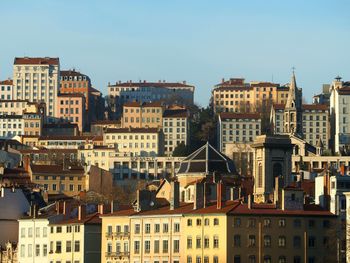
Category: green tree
<point>181,150</point>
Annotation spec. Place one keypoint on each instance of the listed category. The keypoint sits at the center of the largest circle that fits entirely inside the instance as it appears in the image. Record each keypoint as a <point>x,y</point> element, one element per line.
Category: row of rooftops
<point>321,107</point>
<point>145,83</point>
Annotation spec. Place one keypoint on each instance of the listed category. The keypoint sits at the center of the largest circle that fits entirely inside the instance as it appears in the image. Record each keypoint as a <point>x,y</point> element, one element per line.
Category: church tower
<point>293,110</point>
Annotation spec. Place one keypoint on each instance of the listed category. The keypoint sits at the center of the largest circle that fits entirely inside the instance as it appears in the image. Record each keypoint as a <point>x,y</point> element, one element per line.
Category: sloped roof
<point>207,160</point>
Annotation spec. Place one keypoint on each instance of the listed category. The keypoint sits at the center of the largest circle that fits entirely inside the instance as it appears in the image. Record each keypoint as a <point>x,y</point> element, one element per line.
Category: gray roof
<point>207,160</point>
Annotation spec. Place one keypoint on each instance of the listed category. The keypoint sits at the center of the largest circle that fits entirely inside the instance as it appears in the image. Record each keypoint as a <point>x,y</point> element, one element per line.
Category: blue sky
<point>198,41</point>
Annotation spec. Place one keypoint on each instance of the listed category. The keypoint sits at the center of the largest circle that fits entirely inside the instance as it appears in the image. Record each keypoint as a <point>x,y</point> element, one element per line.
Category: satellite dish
<point>151,203</point>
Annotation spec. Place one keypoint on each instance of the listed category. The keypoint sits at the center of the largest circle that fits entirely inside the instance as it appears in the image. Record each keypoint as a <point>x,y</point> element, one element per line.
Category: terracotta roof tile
<point>6,82</point>
<point>152,84</point>
<point>132,130</point>
<point>321,107</point>
<point>36,61</point>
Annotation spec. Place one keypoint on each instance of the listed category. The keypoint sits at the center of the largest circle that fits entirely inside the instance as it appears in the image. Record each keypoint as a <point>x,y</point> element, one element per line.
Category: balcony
<point>125,254</point>
<point>109,234</point>
<point>121,234</point>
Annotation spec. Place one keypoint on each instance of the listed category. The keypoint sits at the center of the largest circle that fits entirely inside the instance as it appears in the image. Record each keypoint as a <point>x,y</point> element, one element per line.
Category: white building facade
<point>36,80</point>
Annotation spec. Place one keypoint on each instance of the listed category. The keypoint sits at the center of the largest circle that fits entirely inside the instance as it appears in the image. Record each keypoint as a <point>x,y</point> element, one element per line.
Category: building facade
<point>37,80</point>
<point>145,115</point>
<point>71,107</point>
<point>6,87</point>
<point>235,95</point>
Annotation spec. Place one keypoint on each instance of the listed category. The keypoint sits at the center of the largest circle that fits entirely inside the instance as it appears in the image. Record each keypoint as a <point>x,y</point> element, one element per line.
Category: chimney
<point>250,202</point>
<point>174,195</point>
<point>35,211</point>
<point>198,196</point>
<point>276,191</point>
<point>65,209</point>
<point>58,207</point>
<point>219,195</point>
<point>2,191</point>
<point>100,209</point>
<point>81,212</point>
<point>222,80</point>
<point>114,206</point>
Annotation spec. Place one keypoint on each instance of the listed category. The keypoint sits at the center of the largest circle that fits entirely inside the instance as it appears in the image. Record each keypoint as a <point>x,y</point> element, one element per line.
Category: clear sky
<point>198,41</point>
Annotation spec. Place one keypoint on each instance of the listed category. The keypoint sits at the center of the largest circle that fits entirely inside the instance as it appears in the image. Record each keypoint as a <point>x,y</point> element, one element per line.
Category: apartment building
<point>315,122</point>
<point>143,91</point>
<point>71,107</point>
<point>339,112</point>
<point>68,142</point>
<point>128,167</point>
<point>135,141</point>
<point>98,127</point>
<point>58,179</point>
<point>176,128</point>
<point>6,87</point>
<point>237,128</point>
<point>235,95</point>
<point>33,236</point>
<point>219,231</point>
<point>77,239</point>
<point>37,80</point>
<point>142,115</point>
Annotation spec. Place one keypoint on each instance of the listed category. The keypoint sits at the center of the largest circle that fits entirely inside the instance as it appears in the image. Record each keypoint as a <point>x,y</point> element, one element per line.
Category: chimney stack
<point>174,195</point>
<point>198,196</point>
<point>100,209</point>
<point>81,212</point>
<point>35,211</point>
<point>114,206</point>
<point>250,202</point>
<point>219,195</point>
<point>2,191</point>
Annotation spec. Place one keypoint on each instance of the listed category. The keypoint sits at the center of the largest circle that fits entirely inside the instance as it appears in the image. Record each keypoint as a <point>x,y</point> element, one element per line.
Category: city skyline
<point>184,41</point>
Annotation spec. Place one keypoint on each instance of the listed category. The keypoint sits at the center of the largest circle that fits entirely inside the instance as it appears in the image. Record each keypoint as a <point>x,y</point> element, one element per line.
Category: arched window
<point>206,222</point>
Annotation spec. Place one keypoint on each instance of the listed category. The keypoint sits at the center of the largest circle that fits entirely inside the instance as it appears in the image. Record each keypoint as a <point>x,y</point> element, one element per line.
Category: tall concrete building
<point>37,80</point>
<point>340,119</point>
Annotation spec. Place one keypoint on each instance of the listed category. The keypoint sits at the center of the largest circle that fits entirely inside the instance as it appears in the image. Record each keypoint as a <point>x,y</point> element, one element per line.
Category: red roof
<point>80,95</point>
<point>231,115</point>
<point>344,91</point>
<point>264,84</point>
<point>6,82</point>
<point>68,73</point>
<point>36,61</point>
<point>101,122</point>
<point>131,130</point>
<point>152,84</point>
<point>321,107</point>
<point>152,104</point>
<point>57,169</point>
<point>132,104</point>
<point>93,219</point>
<point>279,106</point>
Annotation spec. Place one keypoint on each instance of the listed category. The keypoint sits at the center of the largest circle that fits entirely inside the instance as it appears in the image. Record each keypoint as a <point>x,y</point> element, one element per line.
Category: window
<point>147,246</point>
<point>189,259</point>
<point>58,247</point>
<point>176,246</point>
<point>282,223</point>
<point>251,222</point>
<point>206,242</point>
<point>216,221</point>
<point>68,246</point>
<point>156,228</point>
<point>165,228</point>
<point>76,246</point>
<point>312,242</point>
<point>282,259</point>
<point>311,260</point>
<point>216,242</point>
<point>282,241</point>
<point>198,242</point>
<point>267,241</point>
<point>189,222</point>
<point>215,259</point>
<point>297,259</point>
<point>312,223</point>
<point>37,232</point>
<point>165,246</point>
<point>198,259</point>
<point>177,227</point>
<point>136,247</point>
<point>37,250</point>
<point>198,222</point>
<point>267,259</point>
<point>147,228</point>
<point>30,248</point>
<point>251,241</point>
<point>267,222</point>
<point>189,242</point>
<point>237,240</point>
<point>251,259</point>
<point>137,228</point>
<point>76,229</point>
<point>44,250</point>
<point>30,232</point>
<point>237,259</point>
<point>23,232</point>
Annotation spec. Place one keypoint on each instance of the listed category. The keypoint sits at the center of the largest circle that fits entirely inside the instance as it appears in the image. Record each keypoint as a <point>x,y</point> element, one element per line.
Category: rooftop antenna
<point>293,70</point>
<point>272,78</point>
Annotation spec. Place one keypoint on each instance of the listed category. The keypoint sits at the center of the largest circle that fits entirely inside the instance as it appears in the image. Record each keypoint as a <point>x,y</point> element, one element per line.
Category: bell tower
<point>272,159</point>
<point>293,110</point>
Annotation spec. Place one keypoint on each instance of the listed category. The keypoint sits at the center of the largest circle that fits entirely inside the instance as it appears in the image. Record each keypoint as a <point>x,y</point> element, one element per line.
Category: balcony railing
<point>121,234</point>
<point>109,234</point>
<point>117,254</point>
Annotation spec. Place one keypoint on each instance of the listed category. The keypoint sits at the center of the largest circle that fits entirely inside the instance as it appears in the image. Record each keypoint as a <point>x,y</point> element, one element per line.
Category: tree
<point>181,150</point>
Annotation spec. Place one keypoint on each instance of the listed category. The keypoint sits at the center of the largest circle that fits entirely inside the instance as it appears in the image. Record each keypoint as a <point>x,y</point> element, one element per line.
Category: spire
<point>293,92</point>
